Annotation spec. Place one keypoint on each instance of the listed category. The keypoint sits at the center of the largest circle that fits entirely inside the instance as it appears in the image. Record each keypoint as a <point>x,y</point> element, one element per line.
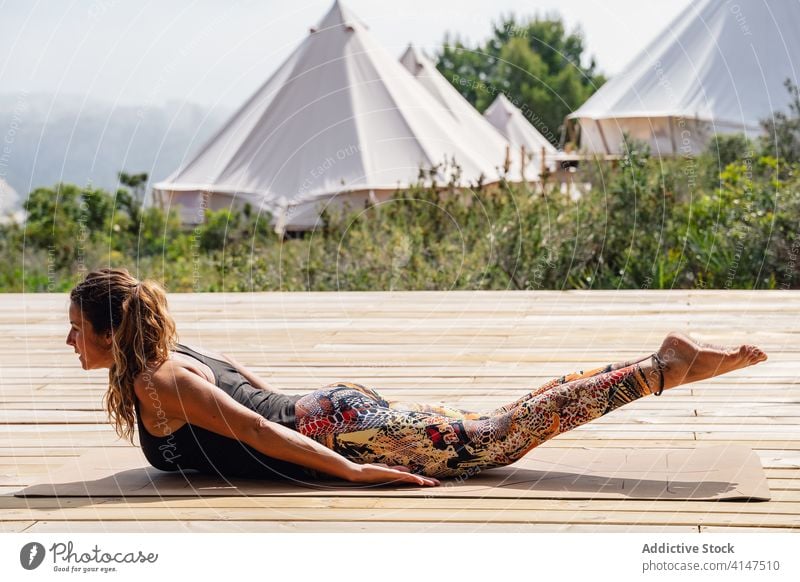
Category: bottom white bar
<point>414,556</point>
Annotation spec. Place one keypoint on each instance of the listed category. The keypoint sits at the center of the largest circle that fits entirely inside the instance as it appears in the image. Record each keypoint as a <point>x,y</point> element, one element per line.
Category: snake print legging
<point>440,441</point>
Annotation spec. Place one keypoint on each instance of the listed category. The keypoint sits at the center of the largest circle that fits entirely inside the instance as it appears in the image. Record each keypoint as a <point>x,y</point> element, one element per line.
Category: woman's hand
<point>382,473</point>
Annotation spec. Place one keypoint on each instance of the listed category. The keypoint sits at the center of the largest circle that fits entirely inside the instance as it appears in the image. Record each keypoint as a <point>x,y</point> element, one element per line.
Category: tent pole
<point>602,136</point>
<point>543,167</point>
<point>577,135</point>
<point>672,135</point>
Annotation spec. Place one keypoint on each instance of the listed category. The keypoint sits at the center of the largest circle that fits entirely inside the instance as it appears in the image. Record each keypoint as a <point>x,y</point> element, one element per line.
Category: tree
<point>537,64</point>
<point>132,201</point>
<point>136,182</point>
<point>783,129</point>
<point>65,219</point>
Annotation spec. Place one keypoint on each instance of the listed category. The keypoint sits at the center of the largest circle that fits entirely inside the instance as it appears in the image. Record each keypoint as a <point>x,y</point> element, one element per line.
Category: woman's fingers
<point>420,479</point>
<point>431,481</point>
<point>381,473</point>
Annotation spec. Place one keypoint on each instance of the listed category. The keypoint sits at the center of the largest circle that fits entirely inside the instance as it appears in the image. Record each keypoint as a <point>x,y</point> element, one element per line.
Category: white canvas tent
<point>473,124</point>
<point>339,118</point>
<point>515,127</point>
<point>719,67</point>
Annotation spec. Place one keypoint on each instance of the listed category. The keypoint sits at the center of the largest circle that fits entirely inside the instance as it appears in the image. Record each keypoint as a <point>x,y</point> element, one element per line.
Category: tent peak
<point>412,60</point>
<point>340,15</point>
<point>412,50</point>
<point>503,100</point>
<point>416,53</point>
<point>515,126</point>
<point>501,105</point>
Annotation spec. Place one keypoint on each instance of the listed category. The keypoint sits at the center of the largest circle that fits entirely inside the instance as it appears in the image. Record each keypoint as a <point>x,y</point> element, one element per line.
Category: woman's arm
<point>183,394</point>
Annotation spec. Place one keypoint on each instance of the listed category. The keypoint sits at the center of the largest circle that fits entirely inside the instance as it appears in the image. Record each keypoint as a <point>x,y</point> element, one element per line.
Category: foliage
<point>537,64</point>
<point>638,225</point>
<point>782,139</point>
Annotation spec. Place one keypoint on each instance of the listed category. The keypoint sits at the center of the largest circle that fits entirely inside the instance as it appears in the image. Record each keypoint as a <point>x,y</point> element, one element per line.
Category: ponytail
<point>142,333</point>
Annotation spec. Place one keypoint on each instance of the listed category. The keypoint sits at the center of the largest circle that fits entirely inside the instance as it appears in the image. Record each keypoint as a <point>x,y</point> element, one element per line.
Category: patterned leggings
<point>439,441</point>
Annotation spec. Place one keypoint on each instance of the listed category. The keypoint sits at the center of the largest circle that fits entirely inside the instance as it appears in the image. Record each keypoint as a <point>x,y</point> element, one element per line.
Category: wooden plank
<point>775,483</point>
<point>649,517</point>
<point>784,495</point>
<point>37,416</point>
<point>568,439</point>
<point>15,526</point>
<point>6,452</point>
<point>240,526</point>
<point>750,530</point>
<point>74,439</point>
<point>779,458</point>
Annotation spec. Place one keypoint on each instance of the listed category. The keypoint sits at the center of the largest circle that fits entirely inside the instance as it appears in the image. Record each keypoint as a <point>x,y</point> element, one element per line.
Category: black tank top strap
<point>224,372</point>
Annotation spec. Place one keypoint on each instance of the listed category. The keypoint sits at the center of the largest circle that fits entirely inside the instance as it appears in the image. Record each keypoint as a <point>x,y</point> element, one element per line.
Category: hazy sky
<point>217,52</point>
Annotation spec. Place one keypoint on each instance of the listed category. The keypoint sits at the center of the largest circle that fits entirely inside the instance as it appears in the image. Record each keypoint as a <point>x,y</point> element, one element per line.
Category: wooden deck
<point>472,349</point>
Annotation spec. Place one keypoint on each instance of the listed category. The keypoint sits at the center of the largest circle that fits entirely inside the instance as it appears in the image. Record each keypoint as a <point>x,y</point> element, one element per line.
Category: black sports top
<point>193,447</point>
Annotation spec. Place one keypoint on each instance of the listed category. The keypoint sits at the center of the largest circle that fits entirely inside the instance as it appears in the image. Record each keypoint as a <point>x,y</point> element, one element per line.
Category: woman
<point>207,412</point>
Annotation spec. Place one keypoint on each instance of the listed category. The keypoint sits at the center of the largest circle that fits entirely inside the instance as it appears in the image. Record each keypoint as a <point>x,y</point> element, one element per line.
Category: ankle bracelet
<point>659,365</point>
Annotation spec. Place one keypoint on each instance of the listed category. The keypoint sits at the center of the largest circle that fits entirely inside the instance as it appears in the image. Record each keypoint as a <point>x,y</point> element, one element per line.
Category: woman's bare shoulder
<point>159,377</point>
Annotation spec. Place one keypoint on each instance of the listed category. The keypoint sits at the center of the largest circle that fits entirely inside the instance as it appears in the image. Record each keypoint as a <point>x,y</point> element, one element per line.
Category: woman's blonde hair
<point>142,331</point>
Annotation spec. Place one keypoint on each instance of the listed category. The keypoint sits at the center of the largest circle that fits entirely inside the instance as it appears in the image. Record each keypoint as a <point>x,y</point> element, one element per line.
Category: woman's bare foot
<point>689,361</point>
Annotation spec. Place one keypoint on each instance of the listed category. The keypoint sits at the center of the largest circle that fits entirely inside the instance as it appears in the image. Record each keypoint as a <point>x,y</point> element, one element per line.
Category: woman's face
<point>94,349</point>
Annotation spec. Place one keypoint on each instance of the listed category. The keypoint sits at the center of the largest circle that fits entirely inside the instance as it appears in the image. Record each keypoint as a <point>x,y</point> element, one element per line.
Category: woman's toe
<point>754,355</point>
